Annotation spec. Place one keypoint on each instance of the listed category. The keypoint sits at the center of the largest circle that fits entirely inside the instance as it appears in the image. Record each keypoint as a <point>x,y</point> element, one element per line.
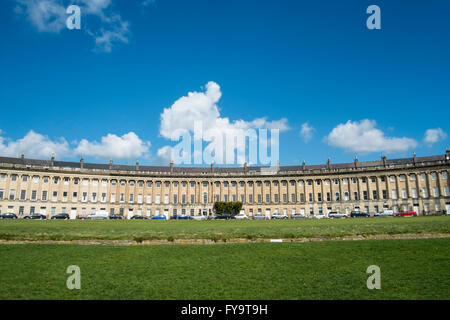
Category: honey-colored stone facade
<point>418,184</point>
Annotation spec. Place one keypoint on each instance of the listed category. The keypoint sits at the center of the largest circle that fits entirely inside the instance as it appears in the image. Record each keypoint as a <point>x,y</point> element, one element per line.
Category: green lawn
<point>150,229</point>
<point>410,269</point>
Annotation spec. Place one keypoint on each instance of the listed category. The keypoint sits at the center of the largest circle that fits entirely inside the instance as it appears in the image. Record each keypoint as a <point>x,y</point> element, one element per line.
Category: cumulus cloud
<point>364,137</point>
<point>306,132</point>
<point>128,146</point>
<point>434,135</point>
<point>33,145</point>
<point>50,16</point>
<point>201,107</point>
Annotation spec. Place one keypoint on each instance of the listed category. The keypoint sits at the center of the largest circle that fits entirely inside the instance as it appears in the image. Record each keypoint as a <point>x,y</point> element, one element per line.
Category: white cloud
<point>202,107</point>
<point>34,145</point>
<point>45,15</point>
<point>434,135</point>
<point>306,132</point>
<point>129,146</point>
<point>364,137</point>
<point>50,16</point>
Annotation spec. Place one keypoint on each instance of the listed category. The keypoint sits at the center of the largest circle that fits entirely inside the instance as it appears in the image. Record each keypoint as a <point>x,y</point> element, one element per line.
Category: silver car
<point>337,215</point>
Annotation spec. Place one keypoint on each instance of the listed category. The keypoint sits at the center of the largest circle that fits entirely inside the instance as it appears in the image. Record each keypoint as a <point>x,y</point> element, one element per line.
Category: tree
<point>227,207</point>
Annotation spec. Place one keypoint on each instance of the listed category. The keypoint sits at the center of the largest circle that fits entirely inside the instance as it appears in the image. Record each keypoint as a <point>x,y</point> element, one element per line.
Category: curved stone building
<point>77,188</point>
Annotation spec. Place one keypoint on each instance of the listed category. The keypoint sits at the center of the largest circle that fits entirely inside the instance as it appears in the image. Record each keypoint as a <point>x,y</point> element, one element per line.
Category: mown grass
<point>410,269</point>
<point>216,230</point>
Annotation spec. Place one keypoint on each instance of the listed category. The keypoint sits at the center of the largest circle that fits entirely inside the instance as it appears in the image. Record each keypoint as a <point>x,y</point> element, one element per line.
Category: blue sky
<point>360,91</point>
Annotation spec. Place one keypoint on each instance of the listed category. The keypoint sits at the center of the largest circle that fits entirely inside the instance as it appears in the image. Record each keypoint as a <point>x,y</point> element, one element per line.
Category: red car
<point>406,214</point>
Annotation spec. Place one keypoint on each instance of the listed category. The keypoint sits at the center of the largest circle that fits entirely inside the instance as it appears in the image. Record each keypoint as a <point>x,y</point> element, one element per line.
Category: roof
<point>219,169</point>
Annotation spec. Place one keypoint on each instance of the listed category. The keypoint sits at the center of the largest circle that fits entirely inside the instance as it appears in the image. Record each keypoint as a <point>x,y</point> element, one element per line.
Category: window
<point>414,193</point>
<point>44,196</point>
<point>23,194</point>
<point>242,198</point>
<point>327,182</point>
<point>113,197</point>
<point>354,180</point>
<point>122,182</point>
<point>103,197</point>
<point>158,199</point>
<point>259,198</point>
<point>192,198</point>
<point>284,198</point>
<point>310,197</point>
<point>318,182</point>
<point>66,181</point>
<point>33,195</point>
<point>309,182</point>
<point>276,198</point>
<point>355,195</point>
<point>374,194</point>
<point>2,177</point>
<point>392,178</point>
<point>149,184</point>
<point>35,179</point>
<point>404,194</point>
<point>319,197</point>
<point>433,176</point>
<point>446,192</point>
<point>384,194</point>
<point>328,196</point>
<point>141,184</point>
<point>166,199</point>
<point>205,184</point>
<point>242,183</point>
<point>402,177</point>
<point>267,198</point>
<point>293,197</point>
<point>94,197</point>
<point>345,181</point>
<point>122,197</point>
<point>104,183</point>
<point>139,198</point>
<point>302,197</point>
<point>394,194</point>
<point>300,183</point>
<point>113,182</point>
<point>1,194</point>
<point>217,184</point>
<point>85,182</point>
<point>84,197</point>
<point>364,180</point>
<point>423,177</point>
<point>444,175</point>
<point>346,196</point>
<point>205,198</point>
<point>65,194</point>
<point>13,177</point>
<point>436,192</point>
<point>193,184</point>
<point>424,192</point>
<point>383,179</point>
<point>74,196</point>
<point>412,177</point>
<point>132,183</point>
<point>175,199</point>
<point>217,198</point>
<point>365,195</point>
<point>25,178</point>
<point>131,198</point>
<point>21,210</point>
<point>373,179</point>
<point>250,198</point>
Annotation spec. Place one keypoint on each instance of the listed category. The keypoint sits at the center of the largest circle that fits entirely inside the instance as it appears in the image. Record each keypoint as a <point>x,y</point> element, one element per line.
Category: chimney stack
<point>22,157</point>
<point>52,161</point>
<point>414,158</point>
<point>171,166</point>
<point>329,164</point>
<point>212,166</point>
<point>303,165</point>
<point>81,162</point>
<point>384,160</point>
<point>245,167</point>
<point>356,161</point>
<point>137,165</point>
<point>110,164</point>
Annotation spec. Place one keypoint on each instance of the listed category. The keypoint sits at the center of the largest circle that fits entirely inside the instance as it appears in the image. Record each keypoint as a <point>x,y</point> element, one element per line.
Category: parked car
<point>97,216</point>
<point>36,216</point>
<point>241,216</point>
<point>9,216</point>
<point>384,213</point>
<point>259,217</point>
<point>115,217</point>
<point>334,214</point>
<point>406,214</point>
<point>319,216</point>
<point>224,216</point>
<point>299,216</point>
<point>358,214</point>
<point>279,216</point>
<point>199,217</point>
<point>61,216</point>
<point>159,218</point>
<point>138,218</point>
<point>180,217</point>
